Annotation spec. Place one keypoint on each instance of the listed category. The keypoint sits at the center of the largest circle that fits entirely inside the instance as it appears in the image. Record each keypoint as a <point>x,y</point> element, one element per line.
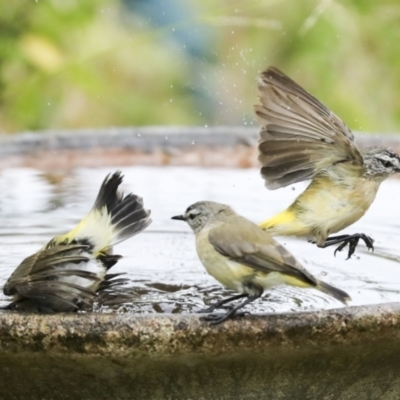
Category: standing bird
<point>301,139</point>
<point>244,258</point>
<point>70,271</point>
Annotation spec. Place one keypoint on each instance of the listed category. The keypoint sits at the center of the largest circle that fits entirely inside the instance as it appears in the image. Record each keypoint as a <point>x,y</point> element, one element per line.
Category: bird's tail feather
<point>128,218</point>
<point>127,213</point>
<point>113,218</point>
<point>109,195</point>
<point>334,292</point>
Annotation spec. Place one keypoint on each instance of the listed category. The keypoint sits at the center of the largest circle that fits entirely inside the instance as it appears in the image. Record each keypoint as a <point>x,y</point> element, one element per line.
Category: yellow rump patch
<point>284,217</point>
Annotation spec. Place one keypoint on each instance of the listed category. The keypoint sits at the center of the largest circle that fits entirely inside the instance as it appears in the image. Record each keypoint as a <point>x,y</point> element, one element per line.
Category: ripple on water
<point>161,263</point>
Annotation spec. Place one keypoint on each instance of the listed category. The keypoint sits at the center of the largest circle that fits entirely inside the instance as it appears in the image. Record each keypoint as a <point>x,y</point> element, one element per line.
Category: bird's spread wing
<point>299,136</point>
<point>40,276</point>
<point>113,291</point>
<point>47,258</point>
<point>247,244</point>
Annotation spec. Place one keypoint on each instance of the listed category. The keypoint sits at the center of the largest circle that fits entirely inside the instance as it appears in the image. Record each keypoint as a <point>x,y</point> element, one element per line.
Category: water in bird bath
<point>161,263</point>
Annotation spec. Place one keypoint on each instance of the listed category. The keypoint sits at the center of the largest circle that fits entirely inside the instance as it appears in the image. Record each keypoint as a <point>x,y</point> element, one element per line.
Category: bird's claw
<point>206,310</point>
<point>215,319</point>
<point>352,241</point>
<point>213,307</point>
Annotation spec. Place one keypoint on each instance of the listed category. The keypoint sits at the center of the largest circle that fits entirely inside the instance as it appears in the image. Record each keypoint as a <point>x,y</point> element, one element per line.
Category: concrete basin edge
<point>165,335</point>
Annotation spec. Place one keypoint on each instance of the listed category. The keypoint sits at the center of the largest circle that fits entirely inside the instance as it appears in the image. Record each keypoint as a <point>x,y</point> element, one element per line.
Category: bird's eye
<point>386,164</point>
<point>192,216</point>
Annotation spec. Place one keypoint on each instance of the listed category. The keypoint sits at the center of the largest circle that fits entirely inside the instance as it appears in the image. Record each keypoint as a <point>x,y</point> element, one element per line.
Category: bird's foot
<point>351,240</point>
<point>221,304</point>
<point>213,307</point>
<point>215,319</point>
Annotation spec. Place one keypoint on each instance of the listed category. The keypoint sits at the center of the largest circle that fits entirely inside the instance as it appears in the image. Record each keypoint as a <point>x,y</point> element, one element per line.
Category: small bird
<point>244,258</point>
<point>70,272</point>
<point>301,139</point>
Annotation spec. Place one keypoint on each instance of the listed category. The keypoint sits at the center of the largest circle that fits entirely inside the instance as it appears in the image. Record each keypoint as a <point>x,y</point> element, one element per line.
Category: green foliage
<point>93,63</point>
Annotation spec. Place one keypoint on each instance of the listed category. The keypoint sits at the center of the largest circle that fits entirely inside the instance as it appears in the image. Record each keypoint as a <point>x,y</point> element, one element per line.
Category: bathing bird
<point>71,271</point>
<point>244,258</point>
<point>301,139</point>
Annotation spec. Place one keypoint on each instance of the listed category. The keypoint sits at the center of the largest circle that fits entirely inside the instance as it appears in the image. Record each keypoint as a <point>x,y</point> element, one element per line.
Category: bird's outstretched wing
<point>113,292</point>
<point>41,278</point>
<point>299,136</point>
<point>253,247</point>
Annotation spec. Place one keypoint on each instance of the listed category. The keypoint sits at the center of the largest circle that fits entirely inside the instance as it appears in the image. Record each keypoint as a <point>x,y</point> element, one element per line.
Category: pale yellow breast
<point>327,206</point>
<point>227,272</point>
<point>330,207</point>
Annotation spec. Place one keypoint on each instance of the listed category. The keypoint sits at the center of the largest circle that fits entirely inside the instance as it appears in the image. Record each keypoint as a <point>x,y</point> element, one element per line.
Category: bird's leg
<point>220,303</point>
<point>351,240</point>
<point>216,319</point>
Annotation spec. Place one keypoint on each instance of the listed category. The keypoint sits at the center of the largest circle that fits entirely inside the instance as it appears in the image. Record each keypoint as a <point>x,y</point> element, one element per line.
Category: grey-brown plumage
<point>39,280</point>
<point>71,271</point>
<point>243,257</point>
<point>302,139</point>
<point>299,135</point>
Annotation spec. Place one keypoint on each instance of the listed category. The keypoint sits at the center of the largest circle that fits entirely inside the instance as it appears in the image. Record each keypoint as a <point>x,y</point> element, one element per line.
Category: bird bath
<point>295,344</point>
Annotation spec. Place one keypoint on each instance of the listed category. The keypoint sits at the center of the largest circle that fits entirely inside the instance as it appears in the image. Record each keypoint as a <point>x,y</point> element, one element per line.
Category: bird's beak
<point>179,217</point>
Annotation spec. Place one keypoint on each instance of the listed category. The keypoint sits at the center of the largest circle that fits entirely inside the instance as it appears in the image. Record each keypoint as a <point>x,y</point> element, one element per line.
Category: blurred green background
<point>100,63</point>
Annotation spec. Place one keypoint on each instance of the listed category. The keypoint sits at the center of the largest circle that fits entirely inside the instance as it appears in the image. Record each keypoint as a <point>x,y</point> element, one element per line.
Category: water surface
<point>162,264</point>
